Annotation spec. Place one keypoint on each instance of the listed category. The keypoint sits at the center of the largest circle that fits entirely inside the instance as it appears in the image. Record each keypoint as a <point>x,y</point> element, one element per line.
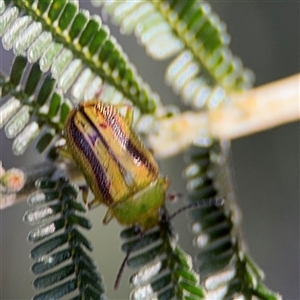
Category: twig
<point>256,110</point>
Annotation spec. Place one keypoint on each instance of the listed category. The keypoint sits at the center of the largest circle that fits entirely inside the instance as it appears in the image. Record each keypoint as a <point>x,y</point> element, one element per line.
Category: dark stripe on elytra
<point>109,116</point>
<point>98,171</point>
<point>103,141</point>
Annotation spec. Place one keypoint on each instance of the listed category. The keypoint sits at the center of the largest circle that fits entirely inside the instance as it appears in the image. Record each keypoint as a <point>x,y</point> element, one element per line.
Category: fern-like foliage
<point>225,268</point>
<point>62,262</point>
<point>204,69</point>
<point>33,109</point>
<point>65,56</point>
<point>76,48</point>
<point>165,270</point>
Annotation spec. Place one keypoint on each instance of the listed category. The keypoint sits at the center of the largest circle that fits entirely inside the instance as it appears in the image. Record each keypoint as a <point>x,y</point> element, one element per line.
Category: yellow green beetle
<point>120,171</point>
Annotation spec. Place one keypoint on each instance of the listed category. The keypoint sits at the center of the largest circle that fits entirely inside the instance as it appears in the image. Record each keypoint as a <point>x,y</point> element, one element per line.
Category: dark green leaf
<point>64,112</point>
<point>106,50</point>
<point>78,23</point>
<point>33,79</point>
<point>98,40</point>
<point>48,246</point>
<point>68,191</point>
<point>80,257</point>
<point>51,278</point>
<point>56,9</point>
<point>45,230</point>
<point>88,32</point>
<point>87,278</point>
<point>77,206</point>
<point>77,220</point>
<point>128,233</point>
<point>17,70</point>
<point>42,198</point>
<point>161,282</point>
<point>51,261</point>
<point>67,16</point>
<point>215,249</point>
<point>186,274</point>
<point>53,154</point>
<point>191,288</point>
<point>45,184</point>
<point>113,59</point>
<point>44,142</point>
<point>181,258</point>
<point>183,7</point>
<point>167,294</point>
<point>122,70</point>
<point>219,231</point>
<point>43,5</point>
<point>46,89</point>
<point>264,293</point>
<point>54,105</point>
<point>128,75</point>
<point>235,286</point>
<point>57,292</point>
<point>89,292</point>
<point>78,238</point>
<point>72,261</point>
<point>208,267</point>
<point>144,258</point>
<point>147,239</point>
<point>204,192</point>
<point>39,214</point>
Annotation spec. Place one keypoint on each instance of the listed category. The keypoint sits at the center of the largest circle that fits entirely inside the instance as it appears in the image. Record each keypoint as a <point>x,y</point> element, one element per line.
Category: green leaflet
<point>225,269</point>
<point>46,30</point>
<point>70,269</point>
<point>204,69</point>
<point>42,113</point>
<point>165,271</point>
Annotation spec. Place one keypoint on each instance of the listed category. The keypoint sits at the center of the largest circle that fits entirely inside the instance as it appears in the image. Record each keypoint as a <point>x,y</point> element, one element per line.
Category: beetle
<point>120,171</point>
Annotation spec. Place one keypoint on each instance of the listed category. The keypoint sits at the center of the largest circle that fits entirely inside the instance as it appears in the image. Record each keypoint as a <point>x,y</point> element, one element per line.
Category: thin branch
<point>259,109</point>
<point>256,110</point>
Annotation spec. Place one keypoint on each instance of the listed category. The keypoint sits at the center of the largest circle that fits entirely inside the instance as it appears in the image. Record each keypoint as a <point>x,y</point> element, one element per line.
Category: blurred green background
<point>265,34</point>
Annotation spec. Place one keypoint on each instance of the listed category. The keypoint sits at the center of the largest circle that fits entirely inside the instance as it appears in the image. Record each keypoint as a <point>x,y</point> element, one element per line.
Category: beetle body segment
<point>120,171</point>
<point>143,207</point>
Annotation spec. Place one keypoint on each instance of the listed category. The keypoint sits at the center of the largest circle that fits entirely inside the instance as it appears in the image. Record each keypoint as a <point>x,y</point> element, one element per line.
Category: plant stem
<point>259,109</point>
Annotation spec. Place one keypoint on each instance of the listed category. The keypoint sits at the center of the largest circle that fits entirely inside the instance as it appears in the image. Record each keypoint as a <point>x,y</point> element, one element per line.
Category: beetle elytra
<point>121,172</point>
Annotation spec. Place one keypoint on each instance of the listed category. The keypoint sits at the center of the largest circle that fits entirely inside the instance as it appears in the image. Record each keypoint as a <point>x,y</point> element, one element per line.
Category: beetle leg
<point>62,149</point>
<point>108,216</point>
<point>129,112</point>
<point>64,153</point>
<point>93,204</point>
<point>129,115</point>
<point>84,191</point>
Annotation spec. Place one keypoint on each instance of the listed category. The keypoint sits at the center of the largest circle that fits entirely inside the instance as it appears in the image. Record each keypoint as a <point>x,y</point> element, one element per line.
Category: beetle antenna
<point>121,269</point>
<point>204,203</point>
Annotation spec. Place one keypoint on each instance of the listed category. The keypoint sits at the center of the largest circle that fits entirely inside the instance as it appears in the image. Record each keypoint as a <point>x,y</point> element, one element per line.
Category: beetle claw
<point>108,216</point>
<point>85,191</point>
